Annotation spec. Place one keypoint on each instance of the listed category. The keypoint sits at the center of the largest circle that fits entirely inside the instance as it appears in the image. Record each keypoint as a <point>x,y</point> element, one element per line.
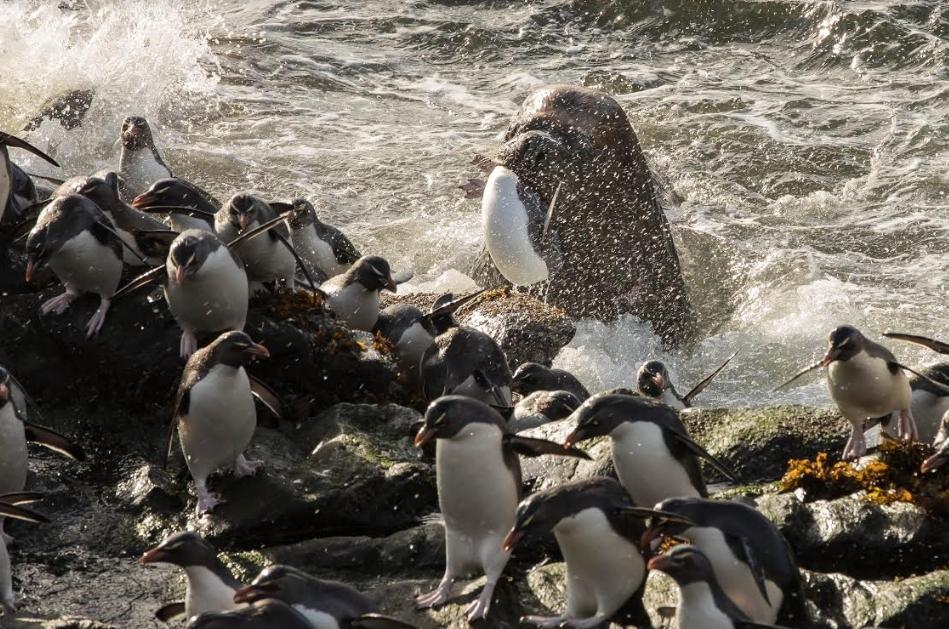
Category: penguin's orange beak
<point>244,220</point>
<point>180,273</point>
<point>659,562</point>
<point>512,539</point>
<point>574,438</point>
<point>4,393</point>
<point>154,555</point>
<point>832,354</point>
<point>259,351</point>
<point>392,286</point>
<point>32,265</point>
<point>425,434</point>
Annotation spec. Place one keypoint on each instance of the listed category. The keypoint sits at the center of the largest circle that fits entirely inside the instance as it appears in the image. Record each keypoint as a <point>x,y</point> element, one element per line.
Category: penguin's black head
<point>60,221</point>
<point>104,191</point>
<point>279,582</point>
<point>456,416</point>
<point>531,377</point>
<point>845,343</point>
<point>554,405</point>
<point>653,378</point>
<point>183,550</point>
<point>236,349</point>
<point>302,214</point>
<point>442,316</point>
<point>243,210</point>
<point>188,253</point>
<point>168,191</point>
<point>684,563</point>
<point>599,415</point>
<point>136,133</point>
<point>671,518</point>
<point>374,273</point>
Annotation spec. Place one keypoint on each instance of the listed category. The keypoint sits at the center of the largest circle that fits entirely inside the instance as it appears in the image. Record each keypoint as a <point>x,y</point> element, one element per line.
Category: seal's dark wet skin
<point>617,246</point>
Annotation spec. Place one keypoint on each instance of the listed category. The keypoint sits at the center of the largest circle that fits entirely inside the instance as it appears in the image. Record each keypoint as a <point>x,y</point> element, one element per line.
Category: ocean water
<point>805,142</point>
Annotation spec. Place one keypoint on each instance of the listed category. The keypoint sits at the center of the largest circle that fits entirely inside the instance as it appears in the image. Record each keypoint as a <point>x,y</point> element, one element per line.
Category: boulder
<point>524,327</point>
<point>757,442</point>
<point>858,538</point>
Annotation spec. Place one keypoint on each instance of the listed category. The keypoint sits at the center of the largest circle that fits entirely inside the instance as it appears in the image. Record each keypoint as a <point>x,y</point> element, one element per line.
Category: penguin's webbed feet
<point>438,596</point>
<point>478,610</point>
<point>206,501</point>
<point>244,467</point>
<point>59,304</point>
<point>906,426</point>
<point>856,446</point>
<point>584,623</point>
<point>98,319</point>
<point>188,345</point>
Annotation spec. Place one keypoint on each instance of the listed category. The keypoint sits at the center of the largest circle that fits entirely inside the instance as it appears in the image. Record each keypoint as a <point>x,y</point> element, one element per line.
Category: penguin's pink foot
<point>436,597</point>
<point>244,467</point>
<point>59,304</point>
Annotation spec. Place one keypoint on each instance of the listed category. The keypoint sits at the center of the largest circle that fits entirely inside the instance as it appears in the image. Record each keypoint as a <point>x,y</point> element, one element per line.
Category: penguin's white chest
<point>735,577</point>
<point>207,592</point>
<point>220,421</point>
<point>476,489</point>
<point>266,259</point>
<point>87,265</point>
<point>506,230</point>
<point>13,452</point>
<point>354,304</point>
<point>319,620</point>
<point>317,252</point>
<point>128,257</point>
<point>140,170</point>
<point>864,387</point>
<point>413,343</point>
<point>183,222</point>
<point>213,299</point>
<point>928,411</point>
<point>697,608</point>
<point>603,568</point>
<point>645,466</point>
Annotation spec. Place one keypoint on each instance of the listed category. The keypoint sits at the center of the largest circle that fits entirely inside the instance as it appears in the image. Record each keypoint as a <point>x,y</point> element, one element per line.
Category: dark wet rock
<point>757,442</point>
<point>352,470</point>
<point>526,329</point>
<point>861,539</point>
<point>150,487</point>
<point>417,548</point>
<point>133,364</point>
<point>69,108</point>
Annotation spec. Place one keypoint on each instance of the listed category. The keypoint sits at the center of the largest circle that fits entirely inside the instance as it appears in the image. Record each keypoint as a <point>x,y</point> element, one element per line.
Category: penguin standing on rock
<point>74,238</point>
<point>479,484</point>
<point>326,250</point>
<point>532,377</point>
<point>930,388</point>
<point>866,382</point>
<point>653,454</point>
<point>267,259</point>
<point>323,603</point>
<point>211,586</point>
<point>702,603</point>
<point>140,164</point>
<point>751,560</point>
<point>214,411</point>
<point>600,544</point>
<point>9,508</point>
<point>354,295</point>
<point>15,432</point>
<point>10,206</point>
<point>171,196</point>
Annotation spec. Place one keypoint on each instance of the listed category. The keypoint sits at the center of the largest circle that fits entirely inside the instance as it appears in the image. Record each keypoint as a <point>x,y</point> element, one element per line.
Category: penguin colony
<point>732,566</point>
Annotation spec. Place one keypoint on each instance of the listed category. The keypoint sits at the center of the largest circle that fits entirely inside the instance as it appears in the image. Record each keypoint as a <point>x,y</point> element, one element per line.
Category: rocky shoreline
<point>346,496</point>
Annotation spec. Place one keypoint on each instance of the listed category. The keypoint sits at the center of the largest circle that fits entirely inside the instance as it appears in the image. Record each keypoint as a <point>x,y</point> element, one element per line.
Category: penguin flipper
<point>267,396</point>
<point>182,402</point>
<point>18,513</point>
<point>703,453</point>
<point>300,263</point>
<point>933,344</point>
<point>530,447</point>
<point>894,365</point>
<point>12,140</point>
<point>54,441</point>
<point>688,397</point>
<point>169,611</point>
<point>104,225</point>
<point>378,621</point>
<point>343,250</point>
<point>21,497</point>
<point>154,275</point>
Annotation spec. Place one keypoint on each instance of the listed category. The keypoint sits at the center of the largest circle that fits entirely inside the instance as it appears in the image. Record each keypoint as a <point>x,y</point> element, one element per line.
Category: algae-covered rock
<point>546,472</point>
<point>757,442</point>
<point>859,538</point>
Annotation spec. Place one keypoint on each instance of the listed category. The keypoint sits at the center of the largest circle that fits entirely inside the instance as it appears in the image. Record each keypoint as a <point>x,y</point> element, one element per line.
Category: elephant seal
<point>575,147</point>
